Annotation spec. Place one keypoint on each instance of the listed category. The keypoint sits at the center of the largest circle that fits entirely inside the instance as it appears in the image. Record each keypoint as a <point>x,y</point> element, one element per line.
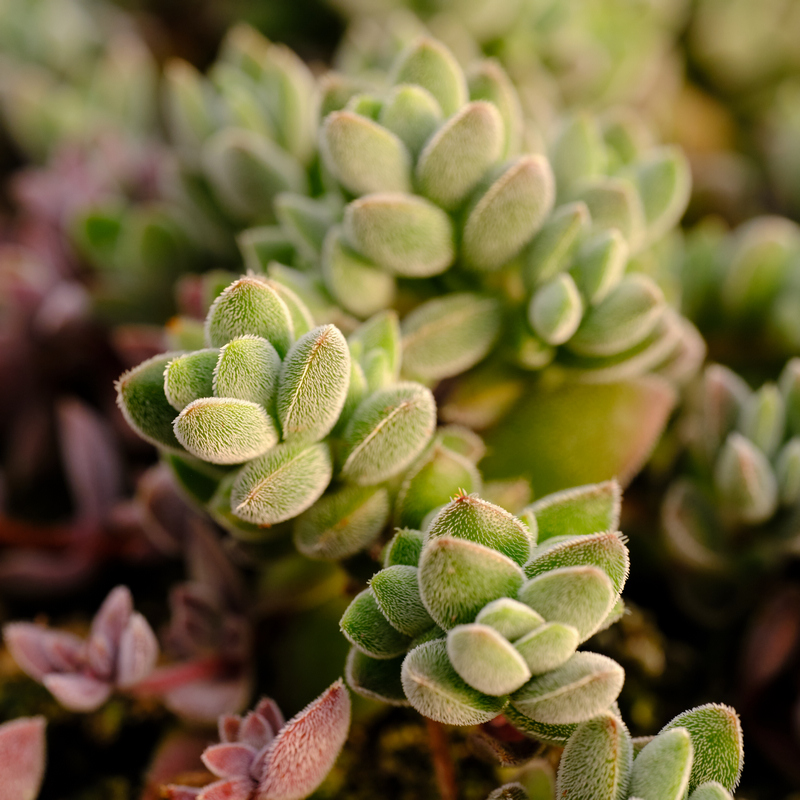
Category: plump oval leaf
<point>405,547</point>
<point>376,678</point>
<point>556,309</point>
<point>248,368</point>
<point>662,768</point>
<point>189,377</point>
<point>548,646</point>
<point>509,617</point>
<point>367,628</point>
<point>411,113</point>
<point>396,591</point>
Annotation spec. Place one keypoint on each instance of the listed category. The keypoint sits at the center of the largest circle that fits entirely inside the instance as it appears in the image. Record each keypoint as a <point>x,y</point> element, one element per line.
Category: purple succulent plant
<point>262,758</point>
<point>121,651</point>
<point>22,758</point>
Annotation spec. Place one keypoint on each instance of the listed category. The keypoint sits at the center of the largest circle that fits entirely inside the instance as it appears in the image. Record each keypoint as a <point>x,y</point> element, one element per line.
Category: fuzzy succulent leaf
<point>428,63</point>
<point>224,430</point>
<point>189,377</point>
<point>486,660</point>
<point>553,246</point>
<point>22,755</point>
<point>745,481</point>
<point>281,484</point>
<point>600,265</point>
<point>787,471</point>
<point>402,233</point>
<point>250,306</point>
<point>510,618</point>
<point>357,284</point>
<point>412,114</point>
<point>577,512</point>
<point>763,419</point>
<point>446,336</point>
<point>718,747</point>
<point>548,646</point>
<point>712,790</point>
<point>366,627</point>
<point>457,157</point>
<point>458,577</point>
<point>488,81</point>
<point>376,678</point>
<point>624,318</point>
<point>342,523</point>
<point>556,309</point>
<point>555,735</point>
<point>607,551</point>
<point>302,319</point>
<point>437,691</point>
<point>248,368</point>
<point>396,590</point>
<point>662,768</point>
<point>404,548</point>
<point>615,203</point>
<point>313,384</point>
<point>364,156</point>
<point>305,749</point>
<point>144,404</point>
<point>580,596</point>
<point>510,791</point>
<point>578,152</point>
<point>473,519</point>
<point>583,687</point>
<point>596,763</point>
<point>508,214</point>
<point>387,432</point>
<point>305,222</point>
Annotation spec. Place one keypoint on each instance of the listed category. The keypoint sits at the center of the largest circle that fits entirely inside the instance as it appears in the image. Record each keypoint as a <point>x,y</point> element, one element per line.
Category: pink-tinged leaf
<point>101,654</point>
<point>33,573</point>
<point>229,725</point>
<point>306,748</point>
<point>205,700</point>
<point>268,709</point>
<point>91,458</point>
<point>172,792</point>
<point>39,651</point>
<point>255,731</point>
<point>138,651</point>
<point>77,692</point>
<point>22,757</point>
<point>229,760</point>
<point>209,565</point>
<point>114,614</point>
<point>239,789</point>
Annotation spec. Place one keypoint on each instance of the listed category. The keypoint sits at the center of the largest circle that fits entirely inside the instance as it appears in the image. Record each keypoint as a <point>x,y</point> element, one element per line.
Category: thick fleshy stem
<point>442,760</point>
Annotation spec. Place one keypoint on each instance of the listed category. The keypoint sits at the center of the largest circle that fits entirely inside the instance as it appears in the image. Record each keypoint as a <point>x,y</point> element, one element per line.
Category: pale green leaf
<point>548,646</point>
<point>189,377</point>
<point>396,590</point>
<point>412,114</point>
<point>367,629</point>
<point>662,768</point>
<point>509,617</point>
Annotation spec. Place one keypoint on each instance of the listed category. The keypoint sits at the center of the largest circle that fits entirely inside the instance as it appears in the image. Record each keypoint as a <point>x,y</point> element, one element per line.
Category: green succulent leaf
<point>281,484</point>
<point>510,618</point>
<point>457,578</point>
<point>313,384</point>
<point>488,81</point>
<point>387,432</point>
<point>305,222</point>
<point>789,384</point>
<point>437,691</point>
<point>380,332</point>
<point>396,590</point>
<point>302,318</point>
<point>552,248</point>
<point>577,512</point>
<point>662,768</point>
<point>363,155</point>
<point>250,306</point>
<point>615,203</point>
<point>718,748</point>
<point>189,377</point>
<point>473,519</point>
<point>510,791</point>
<point>580,596</point>
<point>510,212</point>
<point>224,430</point>
<point>412,114</point>
<point>578,153</point>
<point>787,471</point>
<point>367,629</point>
<point>458,156</point>
<point>342,523</point>
<point>711,791</point>
<point>556,309</point>
<point>763,419</point>
<point>548,646</point>
<point>429,64</point>
<point>376,678</point>
<point>402,233</point>
<point>144,404</point>
<point>404,548</point>
<point>248,368</point>
<point>585,686</point>
<point>600,265</point>
<point>596,763</point>
<point>188,106</point>
<point>486,660</point>
<point>555,735</point>
<point>448,335</point>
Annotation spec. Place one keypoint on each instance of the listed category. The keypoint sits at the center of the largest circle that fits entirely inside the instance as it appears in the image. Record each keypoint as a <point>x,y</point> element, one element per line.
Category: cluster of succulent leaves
<point>736,506</point>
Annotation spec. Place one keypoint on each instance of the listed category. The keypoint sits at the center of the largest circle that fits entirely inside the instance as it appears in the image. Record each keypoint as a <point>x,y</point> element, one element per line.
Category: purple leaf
<point>205,700</point>
<point>91,459</point>
<point>100,655</point>
<point>138,651</point>
<point>22,757</point>
<point>34,573</point>
<point>229,760</point>
<point>306,748</point>
<point>229,727</point>
<point>39,651</point>
<point>255,731</point>
<point>239,789</point>
<point>209,565</point>
<point>77,692</point>
<point>268,709</point>
<point>114,614</point>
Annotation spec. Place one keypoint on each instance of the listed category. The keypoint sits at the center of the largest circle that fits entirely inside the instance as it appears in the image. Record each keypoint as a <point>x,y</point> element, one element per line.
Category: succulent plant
<point>734,510</point>
<point>121,651</point>
<point>22,756</point>
<point>264,758</point>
